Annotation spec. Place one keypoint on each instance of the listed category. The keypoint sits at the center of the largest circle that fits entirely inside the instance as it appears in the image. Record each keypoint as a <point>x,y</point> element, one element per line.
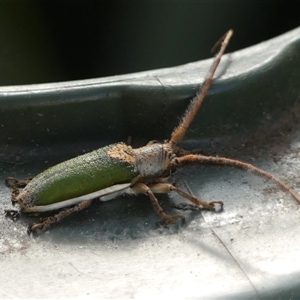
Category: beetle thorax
<point>153,159</point>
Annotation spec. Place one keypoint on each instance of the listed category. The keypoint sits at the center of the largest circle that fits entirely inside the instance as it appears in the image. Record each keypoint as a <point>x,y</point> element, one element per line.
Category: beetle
<point>118,169</point>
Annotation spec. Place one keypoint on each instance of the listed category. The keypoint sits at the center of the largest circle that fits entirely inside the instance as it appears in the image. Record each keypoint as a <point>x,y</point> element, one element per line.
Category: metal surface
<point>118,249</point>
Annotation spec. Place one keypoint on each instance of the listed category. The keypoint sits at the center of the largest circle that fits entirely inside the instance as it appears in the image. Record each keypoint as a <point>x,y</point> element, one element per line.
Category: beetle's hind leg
<point>46,222</point>
<point>15,184</point>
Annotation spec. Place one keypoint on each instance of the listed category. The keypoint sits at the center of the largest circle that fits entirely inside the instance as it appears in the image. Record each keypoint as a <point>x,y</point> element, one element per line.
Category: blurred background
<point>49,41</point>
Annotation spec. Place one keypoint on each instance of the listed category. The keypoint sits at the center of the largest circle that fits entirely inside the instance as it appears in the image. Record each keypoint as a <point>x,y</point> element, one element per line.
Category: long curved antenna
<point>192,158</point>
<point>195,104</point>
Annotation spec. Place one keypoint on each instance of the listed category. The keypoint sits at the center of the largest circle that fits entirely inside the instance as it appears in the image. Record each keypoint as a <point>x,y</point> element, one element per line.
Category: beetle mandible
<point>119,169</point>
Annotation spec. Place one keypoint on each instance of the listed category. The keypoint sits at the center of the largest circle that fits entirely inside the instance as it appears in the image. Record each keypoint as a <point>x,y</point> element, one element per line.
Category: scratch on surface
<point>224,245</point>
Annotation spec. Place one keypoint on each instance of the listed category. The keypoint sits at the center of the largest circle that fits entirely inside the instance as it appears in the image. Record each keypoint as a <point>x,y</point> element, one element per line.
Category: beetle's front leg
<point>165,188</point>
<point>142,188</point>
<point>46,222</point>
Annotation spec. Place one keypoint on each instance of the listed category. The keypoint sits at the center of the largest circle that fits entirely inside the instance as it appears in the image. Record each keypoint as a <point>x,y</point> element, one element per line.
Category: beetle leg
<point>164,188</point>
<point>46,222</point>
<point>11,181</point>
<point>15,184</point>
<point>12,214</point>
<point>142,188</point>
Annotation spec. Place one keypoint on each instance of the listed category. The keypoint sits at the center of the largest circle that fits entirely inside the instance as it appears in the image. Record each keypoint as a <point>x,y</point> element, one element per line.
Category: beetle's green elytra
<point>118,168</point>
<point>86,174</point>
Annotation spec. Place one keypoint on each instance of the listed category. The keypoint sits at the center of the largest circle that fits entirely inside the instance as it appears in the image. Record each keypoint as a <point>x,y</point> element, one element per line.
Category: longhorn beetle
<point>118,169</point>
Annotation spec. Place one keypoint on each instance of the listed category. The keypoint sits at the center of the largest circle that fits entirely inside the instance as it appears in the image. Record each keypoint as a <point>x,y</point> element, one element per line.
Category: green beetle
<point>119,169</point>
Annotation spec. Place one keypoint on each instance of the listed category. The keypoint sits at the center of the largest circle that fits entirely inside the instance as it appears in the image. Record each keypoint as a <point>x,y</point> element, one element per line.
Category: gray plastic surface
<point>118,249</point>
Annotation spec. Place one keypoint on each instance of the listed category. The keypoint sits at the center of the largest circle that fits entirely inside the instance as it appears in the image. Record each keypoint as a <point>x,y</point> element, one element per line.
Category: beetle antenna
<point>195,104</point>
<point>224,161</point>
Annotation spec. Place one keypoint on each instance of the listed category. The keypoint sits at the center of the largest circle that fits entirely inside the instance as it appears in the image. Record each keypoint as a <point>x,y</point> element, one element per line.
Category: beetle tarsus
<point>171,219</point>
<point>12,181</point>
<point>187,206</point>
<point>12,214</point>
<point>221,203</point>
<point>36,226</point>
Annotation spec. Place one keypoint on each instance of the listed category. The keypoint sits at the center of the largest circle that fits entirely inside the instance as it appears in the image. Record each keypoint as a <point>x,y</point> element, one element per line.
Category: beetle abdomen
<point>81,175</point>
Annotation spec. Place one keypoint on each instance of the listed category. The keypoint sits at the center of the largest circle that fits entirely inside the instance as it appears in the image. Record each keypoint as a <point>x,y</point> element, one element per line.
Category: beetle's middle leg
<point>142,188</point>
<point>46,222</point>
